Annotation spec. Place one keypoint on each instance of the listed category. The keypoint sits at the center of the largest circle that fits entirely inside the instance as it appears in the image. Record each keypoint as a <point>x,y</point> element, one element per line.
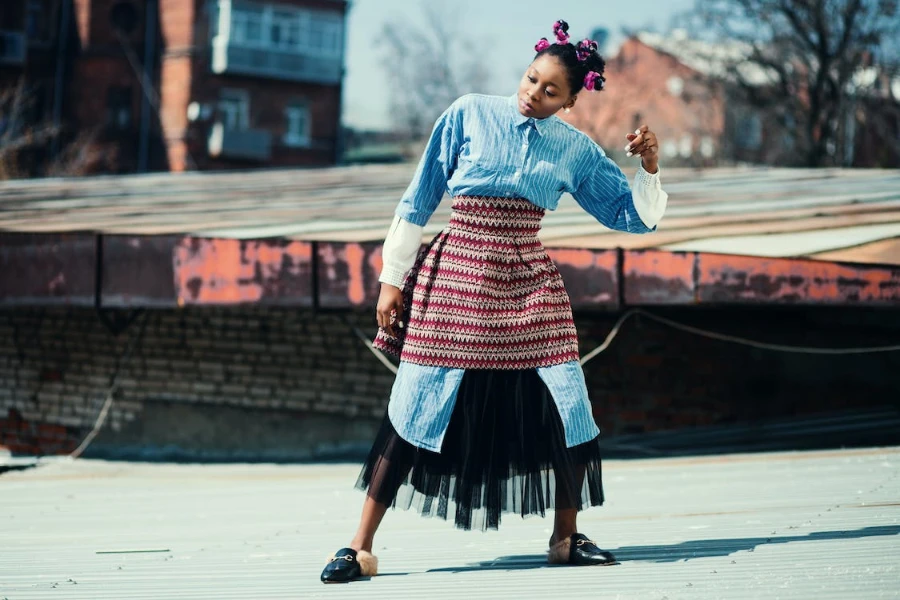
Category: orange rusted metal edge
<point>229,271</point>
<point>663,277</point>
<point>172,270</point>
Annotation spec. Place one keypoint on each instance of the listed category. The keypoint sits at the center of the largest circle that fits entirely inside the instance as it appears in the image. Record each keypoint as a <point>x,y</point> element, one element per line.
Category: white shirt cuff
<point>401,246</point>
<point>649,198</point>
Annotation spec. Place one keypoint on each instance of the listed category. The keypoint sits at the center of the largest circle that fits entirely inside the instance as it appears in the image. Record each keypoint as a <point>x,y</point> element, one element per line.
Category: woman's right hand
<point>389,310</point>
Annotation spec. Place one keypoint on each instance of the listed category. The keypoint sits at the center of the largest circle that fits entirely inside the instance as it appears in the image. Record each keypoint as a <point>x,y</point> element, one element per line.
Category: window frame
<point>241,98</point>
<point>290,138</point>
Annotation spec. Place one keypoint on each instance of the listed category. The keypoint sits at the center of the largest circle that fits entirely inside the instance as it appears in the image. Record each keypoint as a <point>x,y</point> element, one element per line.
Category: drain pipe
<point>149,61</point>
<point>62,41</point>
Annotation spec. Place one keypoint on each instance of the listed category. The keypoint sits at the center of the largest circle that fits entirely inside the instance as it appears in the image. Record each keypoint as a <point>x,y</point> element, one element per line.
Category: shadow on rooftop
<point>683,551</point>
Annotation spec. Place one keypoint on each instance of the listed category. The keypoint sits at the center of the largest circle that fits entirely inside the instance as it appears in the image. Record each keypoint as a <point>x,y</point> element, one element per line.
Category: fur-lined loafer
<point>579,550</point>
<point>347,564</point>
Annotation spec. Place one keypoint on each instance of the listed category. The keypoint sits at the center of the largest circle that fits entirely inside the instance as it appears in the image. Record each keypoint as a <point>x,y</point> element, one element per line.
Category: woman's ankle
<point>558,537</point>
<point>362,544</point>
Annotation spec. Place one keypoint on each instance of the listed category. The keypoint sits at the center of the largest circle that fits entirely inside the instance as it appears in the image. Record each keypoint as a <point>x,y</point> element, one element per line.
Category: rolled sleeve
<point>649,199</point>
<point>401,246</point>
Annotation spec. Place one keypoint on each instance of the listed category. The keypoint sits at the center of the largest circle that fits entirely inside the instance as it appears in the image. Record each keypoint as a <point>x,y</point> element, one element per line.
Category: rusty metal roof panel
<point>775,525</point>
<point>815,212</point>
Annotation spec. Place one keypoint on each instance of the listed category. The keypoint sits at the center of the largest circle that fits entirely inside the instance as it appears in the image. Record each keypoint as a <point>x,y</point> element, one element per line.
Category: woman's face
<point>544,88</point>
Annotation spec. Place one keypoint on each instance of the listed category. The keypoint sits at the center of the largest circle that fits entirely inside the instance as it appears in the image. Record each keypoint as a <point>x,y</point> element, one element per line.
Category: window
<point>670,149</point>
<point>234,109</point>
<point>118,107</point>
<point>686,146</point>
<point>291,30</point>
<point>675,85</point>
<point>749,132</point>
<point>298,125</point>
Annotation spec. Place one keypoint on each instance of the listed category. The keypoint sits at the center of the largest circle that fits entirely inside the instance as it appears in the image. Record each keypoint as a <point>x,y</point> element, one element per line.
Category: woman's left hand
<point>643,143</point>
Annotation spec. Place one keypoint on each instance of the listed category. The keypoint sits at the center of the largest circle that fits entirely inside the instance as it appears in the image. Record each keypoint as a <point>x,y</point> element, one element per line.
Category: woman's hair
<point>584,66</point>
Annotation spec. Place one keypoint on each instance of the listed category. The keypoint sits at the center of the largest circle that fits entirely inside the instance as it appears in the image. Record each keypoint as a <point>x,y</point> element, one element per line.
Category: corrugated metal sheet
<point>756,211</point>
<point>782,525</point>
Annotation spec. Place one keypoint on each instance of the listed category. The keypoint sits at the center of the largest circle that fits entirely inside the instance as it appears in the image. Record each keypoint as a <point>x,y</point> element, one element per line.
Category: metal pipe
<point>63,43</point>
<point>149,60</point>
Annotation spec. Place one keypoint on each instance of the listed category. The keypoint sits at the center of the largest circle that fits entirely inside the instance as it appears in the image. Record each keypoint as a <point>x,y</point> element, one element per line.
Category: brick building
<point>670,83</point>
<point>186,84</point>
<point>679,87</point>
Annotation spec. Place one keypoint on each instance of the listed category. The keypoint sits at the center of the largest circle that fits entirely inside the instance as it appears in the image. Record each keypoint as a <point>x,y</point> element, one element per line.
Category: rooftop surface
<point>849,215</point>
<point>778,525</point>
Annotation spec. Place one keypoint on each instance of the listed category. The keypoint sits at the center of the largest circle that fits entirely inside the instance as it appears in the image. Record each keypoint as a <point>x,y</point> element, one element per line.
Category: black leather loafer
<point>347,564</point>
<point>583,551</point>
<point>580,550</point>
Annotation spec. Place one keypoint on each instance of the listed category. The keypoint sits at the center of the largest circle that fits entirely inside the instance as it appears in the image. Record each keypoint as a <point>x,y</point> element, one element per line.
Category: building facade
<point>185,84</point>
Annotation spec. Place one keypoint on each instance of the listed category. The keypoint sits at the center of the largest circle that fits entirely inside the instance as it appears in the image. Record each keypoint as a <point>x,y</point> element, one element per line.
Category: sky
<point>508,28</point>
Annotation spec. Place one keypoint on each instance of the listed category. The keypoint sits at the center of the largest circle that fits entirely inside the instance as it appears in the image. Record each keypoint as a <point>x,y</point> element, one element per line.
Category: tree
<point>428,67</point>
<point>26,139</point>
<point>802,63</point>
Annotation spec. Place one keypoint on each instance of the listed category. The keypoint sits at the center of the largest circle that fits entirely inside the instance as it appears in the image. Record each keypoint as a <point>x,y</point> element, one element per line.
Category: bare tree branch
<point>812,50</point>
<point>429,67</point>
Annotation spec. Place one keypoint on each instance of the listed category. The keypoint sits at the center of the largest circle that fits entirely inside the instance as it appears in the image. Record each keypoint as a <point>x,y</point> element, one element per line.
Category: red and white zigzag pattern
<point>485,295</point>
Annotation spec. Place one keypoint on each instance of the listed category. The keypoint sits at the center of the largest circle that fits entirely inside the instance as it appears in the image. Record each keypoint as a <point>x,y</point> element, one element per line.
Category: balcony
<point>244,144</point>
<point>12,48</point>
<point>229,58</point>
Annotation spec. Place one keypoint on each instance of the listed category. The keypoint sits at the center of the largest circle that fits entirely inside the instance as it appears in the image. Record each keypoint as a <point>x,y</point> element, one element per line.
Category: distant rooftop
<point>830,214</point>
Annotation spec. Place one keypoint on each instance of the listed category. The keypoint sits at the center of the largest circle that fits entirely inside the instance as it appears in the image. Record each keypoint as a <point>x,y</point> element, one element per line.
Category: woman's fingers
<point>384,320</point>
<point>398,310</point>
<point>645,146</point>
<point>640,142</point>
<point>389,320</point>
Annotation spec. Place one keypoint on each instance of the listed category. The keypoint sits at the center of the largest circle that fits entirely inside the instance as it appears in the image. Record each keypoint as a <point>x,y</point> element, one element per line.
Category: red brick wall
<point>37,438</point>
<point>178,21</point>
<point>94,24</point>
<point>303,371</point>
<point>82,11</point>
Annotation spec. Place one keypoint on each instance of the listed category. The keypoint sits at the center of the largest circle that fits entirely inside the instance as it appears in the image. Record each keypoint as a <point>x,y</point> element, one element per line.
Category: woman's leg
<point>382,490</point>
<point>372,514</point>
<point>566,514</point>
<point>581,550</point>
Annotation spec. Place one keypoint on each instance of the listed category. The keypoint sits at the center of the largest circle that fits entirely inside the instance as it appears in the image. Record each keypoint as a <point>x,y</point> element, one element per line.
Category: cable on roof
<point>121,361</point>
<point>682,327</point>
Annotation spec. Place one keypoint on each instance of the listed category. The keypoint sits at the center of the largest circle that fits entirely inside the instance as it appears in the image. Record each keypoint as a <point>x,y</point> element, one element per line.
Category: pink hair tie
<point>542,45</point>
<point>560,29</point>
<point>585,48</point>
<point>590,81</point>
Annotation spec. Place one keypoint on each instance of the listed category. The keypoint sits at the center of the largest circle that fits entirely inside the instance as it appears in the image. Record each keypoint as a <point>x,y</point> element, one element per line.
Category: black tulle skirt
<point>504,452</point>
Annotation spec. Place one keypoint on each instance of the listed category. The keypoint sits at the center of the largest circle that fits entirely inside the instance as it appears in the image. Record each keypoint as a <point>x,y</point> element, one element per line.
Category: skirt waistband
<point>489,215</point>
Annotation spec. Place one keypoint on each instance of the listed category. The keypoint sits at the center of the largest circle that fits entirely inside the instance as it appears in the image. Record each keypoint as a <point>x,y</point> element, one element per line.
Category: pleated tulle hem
<point>504,452</point>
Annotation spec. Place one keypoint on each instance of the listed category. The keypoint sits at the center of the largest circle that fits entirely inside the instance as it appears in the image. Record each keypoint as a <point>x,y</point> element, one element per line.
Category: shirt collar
<point>541,125</point>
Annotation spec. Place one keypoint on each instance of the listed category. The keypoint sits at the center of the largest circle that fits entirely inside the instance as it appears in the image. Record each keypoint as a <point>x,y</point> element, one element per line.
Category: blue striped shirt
<point>483,146</point>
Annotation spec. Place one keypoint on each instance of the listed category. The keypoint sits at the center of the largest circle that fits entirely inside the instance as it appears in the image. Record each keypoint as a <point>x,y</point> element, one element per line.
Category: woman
<point>489,412</point>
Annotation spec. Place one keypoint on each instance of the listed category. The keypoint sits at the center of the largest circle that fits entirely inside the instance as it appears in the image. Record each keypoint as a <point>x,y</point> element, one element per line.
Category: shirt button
<point>524,146</point>
<point>516,173</point>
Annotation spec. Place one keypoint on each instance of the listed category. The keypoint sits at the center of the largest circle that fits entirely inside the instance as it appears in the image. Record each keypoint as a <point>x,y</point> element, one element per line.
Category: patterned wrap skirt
<point>484,296</point>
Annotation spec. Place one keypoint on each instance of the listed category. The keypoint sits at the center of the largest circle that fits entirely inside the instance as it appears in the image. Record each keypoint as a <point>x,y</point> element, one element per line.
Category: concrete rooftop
<point>778,525</point>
